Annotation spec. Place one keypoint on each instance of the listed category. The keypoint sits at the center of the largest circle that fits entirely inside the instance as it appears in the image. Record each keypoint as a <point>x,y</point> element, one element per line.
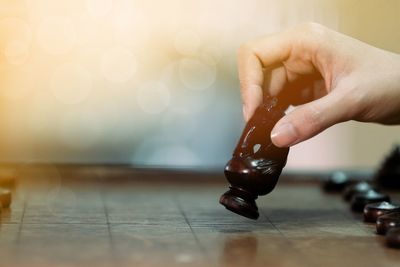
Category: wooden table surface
<point>97,216</point>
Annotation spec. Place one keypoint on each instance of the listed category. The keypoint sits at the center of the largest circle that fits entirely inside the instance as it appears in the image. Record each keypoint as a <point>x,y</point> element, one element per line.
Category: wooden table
<point>119,216</point>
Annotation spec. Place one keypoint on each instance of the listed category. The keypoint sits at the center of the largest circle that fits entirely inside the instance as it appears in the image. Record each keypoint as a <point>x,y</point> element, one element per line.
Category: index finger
<point>253,57</point>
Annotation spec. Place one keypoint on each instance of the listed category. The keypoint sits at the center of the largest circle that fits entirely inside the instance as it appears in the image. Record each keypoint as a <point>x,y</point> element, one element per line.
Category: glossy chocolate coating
<point>360,187</point>
<point>386,222</point>
<point>336,182</point>
<point>359,200</point>
<point>256,163</point>
<point>393,237</point>
<point>374,210</point>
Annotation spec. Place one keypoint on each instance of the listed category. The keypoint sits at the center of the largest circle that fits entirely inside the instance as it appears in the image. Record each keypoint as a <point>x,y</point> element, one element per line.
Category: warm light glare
<point>132,81</point>
<point>187,42</point>
<point>99,8</point>
<point>118,65</point>
<point>70,84</point>
<point>15,40</point>
<point>56,35</point>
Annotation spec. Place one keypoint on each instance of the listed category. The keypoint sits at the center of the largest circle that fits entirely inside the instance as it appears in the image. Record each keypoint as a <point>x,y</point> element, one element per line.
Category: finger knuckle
<point>313,32</point>
<point>244,49</point>
<point>244,82</point>
<point>355,101</point>
<point>312,27</point>
<point>312,117</point>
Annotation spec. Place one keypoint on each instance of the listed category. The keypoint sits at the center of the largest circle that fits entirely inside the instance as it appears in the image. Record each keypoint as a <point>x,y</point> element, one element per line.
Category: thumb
<point>310,119</point>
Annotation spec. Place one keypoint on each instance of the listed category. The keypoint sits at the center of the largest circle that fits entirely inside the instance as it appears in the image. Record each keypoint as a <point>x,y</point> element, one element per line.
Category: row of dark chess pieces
<point>370,197</point>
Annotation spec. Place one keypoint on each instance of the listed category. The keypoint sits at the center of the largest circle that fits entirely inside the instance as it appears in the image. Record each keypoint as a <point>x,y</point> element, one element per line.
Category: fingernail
<point>284,134</point>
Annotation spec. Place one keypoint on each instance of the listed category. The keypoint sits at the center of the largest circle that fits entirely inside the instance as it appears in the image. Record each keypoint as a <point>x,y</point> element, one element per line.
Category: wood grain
<point>80,218</point>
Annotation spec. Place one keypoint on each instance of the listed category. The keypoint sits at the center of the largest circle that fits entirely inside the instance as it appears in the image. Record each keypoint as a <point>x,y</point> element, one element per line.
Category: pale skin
<point>330,76</point>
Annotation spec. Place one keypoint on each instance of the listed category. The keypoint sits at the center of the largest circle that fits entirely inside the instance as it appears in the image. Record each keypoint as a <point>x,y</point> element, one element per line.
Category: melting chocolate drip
<point>256,163</point>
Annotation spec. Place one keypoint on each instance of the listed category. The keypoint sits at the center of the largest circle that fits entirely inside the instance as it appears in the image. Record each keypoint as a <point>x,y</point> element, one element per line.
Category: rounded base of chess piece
<point>393,238</point>
<point>373,210</point>
<point>241,202</point>
<point>386,222</point>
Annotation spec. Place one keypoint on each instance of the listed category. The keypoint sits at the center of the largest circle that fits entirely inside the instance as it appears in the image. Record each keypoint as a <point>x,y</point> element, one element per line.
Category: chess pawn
<point>256,163</point>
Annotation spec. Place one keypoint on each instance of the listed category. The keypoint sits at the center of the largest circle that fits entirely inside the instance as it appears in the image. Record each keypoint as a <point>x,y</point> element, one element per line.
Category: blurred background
<point>155,82</point>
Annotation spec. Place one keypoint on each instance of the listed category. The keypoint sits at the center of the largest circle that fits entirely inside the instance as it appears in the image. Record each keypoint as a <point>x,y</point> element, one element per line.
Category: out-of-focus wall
<point>355,144</point>
<point>155,82</point>
<point>377,23</point>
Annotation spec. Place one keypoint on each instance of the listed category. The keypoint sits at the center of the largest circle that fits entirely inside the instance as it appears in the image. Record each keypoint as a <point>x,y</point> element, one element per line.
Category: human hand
<point>333,77</point>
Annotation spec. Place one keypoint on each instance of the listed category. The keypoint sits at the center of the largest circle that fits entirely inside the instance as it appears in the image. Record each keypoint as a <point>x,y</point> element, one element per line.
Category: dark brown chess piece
<point>388,175</point>
<point>373,210</point>
<point>357,188</point>
<point>393,237</point>
<point>256,163</point>
<point>336,182</point>
<point>387,221</point>
<point>359,200</point>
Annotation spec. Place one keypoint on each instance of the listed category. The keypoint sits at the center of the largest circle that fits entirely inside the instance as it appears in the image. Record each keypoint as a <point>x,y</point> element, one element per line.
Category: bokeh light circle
<point>15,40</point>
<point>87,31</point>
<point>196,75</point>
<point>153,97</point>
<point>183,99</point>
<point>16,52</point>
<point>118,65</point>
<point>210,54</point>
<point>14,29</point>
<point>71,84</point>
<point>56,35</point>
<point>131,24</point>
